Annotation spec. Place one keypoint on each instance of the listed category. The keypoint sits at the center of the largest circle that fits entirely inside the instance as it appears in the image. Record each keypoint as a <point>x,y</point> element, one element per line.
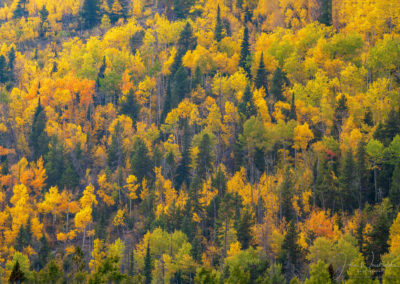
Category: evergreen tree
<point>377,241</point>
<point>11,61</point>
<point>91,13</point>
<point>17,275</point>
<point>347,182</point>
<point>54,162</point>
<point>115,154</point>
<point>386,131</point>
<point>3,69</point>
<point>292,113</point>
<point>341,113</point>
<point>279,80</point>
<point>261,79</point>
<point>204,157</point>
<point>291,255</point>
<point>394,193</point>
<point>218,27</point>
<point>247,107</point>
<point>24,237</point>
<point>140,160</point>
<point>187,41</point>
<point>148,266</point>
<point>180,86</point>
<point>326,12</point>
<point>286,193</point>
<point>43,253</point>
<point>38,138</point>
<point>183,169</point>
<point>244,229</point>
<point>130,107</point>
<point>20,11</point>
<point>363,188</point>
<point>245,52</point>
<point>182,8</point>
<point>167,102</point>
<point>44,14</point>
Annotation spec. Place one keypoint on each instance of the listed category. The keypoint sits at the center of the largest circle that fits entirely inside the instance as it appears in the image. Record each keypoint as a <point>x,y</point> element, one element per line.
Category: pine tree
<point>347,182</point>
<point>20,11</point>
<point>182,8</point>
<point>204,158</point>
<point>363,188</point>
<point>245,52</point>
<point>180,86</point>
<point>286,193</point>
<point>91,13</point>
<point>54,162</point>
<point>292,113</point>
<point>187,41</point>
<point>326,12</point>
<point>11,60</point>
<point>377,241</point>
<point>261,79</point>
<point>291,255</point>
<point>3,69</point>
<point>17,275</point>
<point>148,266</point>
<point>140,161</point>
<point>167,102</point>
<point>115,153</point>
<point>244,229</point>
<point>44,14</point>
<point>43,253</point>
<point>130,107</point>
<point>218,27</point>
<point>24,237</point>
<point>341,113</point>
<point>247,107</point>
<point>394,193</point>
<point>386,131</point>
<point>38,138</point>
<point>183,169</point>
<point>279,80</point>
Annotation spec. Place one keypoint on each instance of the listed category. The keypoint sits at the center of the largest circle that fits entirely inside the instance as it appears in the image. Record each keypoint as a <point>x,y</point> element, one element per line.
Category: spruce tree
<point>291,255</point>
<point>394,193</point>
<point>204,157</point>
<point>54,162</point>
<point>44,14</point>
<point>130,107</point>
<point>148,266</point>
<point>3,69</point>
<point>341,113</point>
<point>43,253</point>
<point>377,241</point>
<point>114,156</point>
<point>279,80</point>
<point>11,61</point>
<point>386,131</point>
<point>91,13</point>
<point>247,107</point>
<point>245,52</point>
<point>38,139</point>
<point>244,229</point>
<point>362,181</point>
<point>183,169</point>
<point>261,79</point>
<point>140,160</point>
<point>17,275</point>
<point>292,113</point>
<point>20,11</point>
<point>218,27</point>
<point>187,41</point>
<point>180,86</point>
<point>347,182</point>
<point>326,12</point>
<point>286,193</point>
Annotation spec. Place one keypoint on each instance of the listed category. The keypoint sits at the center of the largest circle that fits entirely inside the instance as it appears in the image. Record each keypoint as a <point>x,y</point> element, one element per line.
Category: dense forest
<point>200,141</point>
